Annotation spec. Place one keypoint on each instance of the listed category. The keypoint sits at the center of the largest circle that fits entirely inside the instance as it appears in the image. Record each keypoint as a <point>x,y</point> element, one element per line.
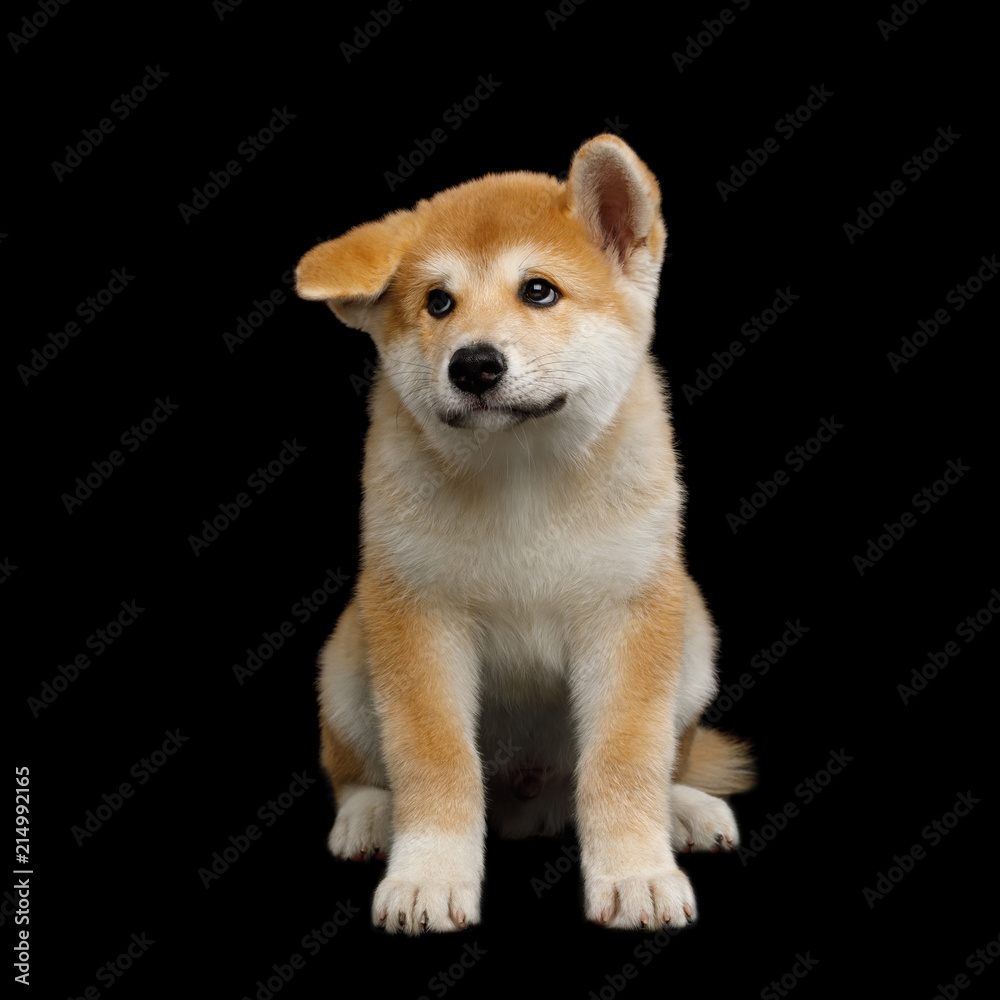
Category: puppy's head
<point>511,298</point>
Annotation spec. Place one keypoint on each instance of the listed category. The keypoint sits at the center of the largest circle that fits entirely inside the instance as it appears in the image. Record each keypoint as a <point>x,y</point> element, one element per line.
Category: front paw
<point>433,883</point>
<point>646,900</point>
<point>404,906</point>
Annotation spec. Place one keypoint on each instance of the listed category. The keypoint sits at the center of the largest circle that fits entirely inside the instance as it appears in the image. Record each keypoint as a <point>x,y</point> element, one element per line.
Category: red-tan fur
<point>522,564</point>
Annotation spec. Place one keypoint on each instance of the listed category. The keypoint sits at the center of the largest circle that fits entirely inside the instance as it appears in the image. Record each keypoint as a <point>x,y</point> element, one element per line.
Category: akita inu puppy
<point>524,641</point>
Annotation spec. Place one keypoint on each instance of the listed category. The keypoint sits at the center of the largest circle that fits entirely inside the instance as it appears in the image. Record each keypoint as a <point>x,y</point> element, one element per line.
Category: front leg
<point>424,678</point>
<point>623,694</point>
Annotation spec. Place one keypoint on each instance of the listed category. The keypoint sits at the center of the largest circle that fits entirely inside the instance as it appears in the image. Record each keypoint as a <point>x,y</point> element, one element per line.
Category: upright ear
<point>352,271</point>
<point>615,195</point>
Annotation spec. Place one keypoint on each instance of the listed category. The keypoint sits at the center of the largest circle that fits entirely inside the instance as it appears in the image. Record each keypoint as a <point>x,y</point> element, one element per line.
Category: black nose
<point>476,368</point>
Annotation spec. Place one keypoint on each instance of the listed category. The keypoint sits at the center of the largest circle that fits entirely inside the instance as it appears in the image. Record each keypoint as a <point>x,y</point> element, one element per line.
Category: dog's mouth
<point>478,411</point>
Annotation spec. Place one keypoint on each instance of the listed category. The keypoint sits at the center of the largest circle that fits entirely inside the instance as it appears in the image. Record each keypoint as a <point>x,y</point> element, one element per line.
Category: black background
<point>300,377</point>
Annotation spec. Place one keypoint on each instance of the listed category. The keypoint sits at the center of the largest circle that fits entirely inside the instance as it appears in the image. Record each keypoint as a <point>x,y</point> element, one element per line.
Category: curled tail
<point>715,762</point>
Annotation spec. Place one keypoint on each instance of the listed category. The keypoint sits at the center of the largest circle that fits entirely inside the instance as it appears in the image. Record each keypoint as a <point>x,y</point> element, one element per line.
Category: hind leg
<point>700,822</point>
<point>363,826</point>
<point>350,752</point>
<point>706,762</point>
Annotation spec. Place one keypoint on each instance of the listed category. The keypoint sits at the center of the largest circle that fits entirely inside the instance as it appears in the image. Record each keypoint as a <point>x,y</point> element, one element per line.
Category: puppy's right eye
<point>439,303</point>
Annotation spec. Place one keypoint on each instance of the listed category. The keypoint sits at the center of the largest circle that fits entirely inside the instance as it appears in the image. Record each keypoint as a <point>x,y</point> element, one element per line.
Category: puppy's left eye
<point>439,302</point>
<point>539,292</point>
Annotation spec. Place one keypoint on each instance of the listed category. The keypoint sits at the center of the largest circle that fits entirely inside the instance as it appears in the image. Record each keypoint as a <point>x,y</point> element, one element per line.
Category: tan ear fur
<point>617,198</point>
<point>352,271</point>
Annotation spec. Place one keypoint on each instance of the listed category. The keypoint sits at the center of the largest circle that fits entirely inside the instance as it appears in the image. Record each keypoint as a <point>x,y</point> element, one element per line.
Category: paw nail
<point>402,918</point>
<point>460,918</point>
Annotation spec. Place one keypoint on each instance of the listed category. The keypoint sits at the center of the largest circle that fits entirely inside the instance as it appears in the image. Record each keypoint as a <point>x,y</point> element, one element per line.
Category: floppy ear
<point>352,271</point>
<point>615,195</point>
